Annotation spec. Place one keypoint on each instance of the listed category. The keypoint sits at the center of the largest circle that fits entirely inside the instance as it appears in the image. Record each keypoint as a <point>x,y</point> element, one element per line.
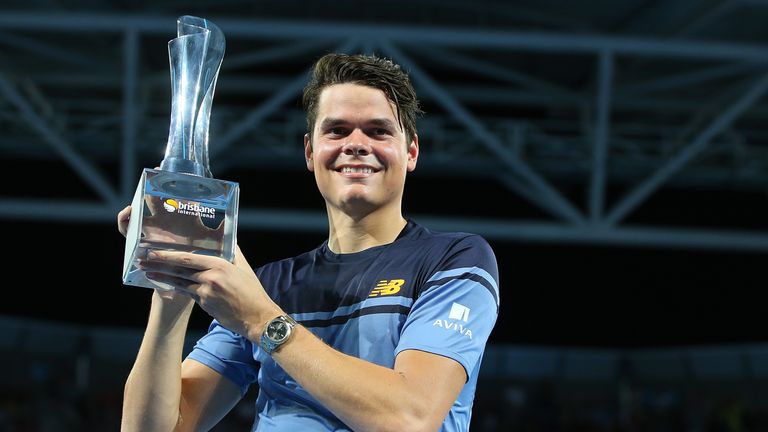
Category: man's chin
<point>357,204</point>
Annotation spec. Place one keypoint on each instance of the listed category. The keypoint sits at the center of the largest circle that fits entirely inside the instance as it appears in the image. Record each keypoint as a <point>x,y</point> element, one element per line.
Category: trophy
<point>181,206</point>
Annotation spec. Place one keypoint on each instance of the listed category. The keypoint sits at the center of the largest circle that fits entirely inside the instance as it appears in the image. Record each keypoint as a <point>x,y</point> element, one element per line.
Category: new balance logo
<point>387,287</point>
<point>459,312</point>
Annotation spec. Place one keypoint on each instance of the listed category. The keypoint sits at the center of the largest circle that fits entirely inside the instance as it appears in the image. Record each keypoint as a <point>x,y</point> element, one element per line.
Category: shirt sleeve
<point>458,305</point>
<point>229,354</point>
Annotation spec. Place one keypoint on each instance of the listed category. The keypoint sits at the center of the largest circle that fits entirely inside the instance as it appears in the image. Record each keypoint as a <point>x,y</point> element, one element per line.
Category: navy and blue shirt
<point>428,291</point>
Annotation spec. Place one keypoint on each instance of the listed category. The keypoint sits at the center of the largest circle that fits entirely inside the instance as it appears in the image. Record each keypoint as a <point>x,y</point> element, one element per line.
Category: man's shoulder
<point>422,234</point>
<point>441,251</point>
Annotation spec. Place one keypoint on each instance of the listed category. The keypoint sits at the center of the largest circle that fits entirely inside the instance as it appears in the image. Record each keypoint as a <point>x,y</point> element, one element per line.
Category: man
<point>382,327</point>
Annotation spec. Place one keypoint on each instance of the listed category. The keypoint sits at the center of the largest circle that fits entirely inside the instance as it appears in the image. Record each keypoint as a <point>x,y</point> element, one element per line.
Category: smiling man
<point>382,327</point>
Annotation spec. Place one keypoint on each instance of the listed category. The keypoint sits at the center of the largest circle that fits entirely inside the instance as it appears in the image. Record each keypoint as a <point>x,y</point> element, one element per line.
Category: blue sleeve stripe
<point>433,283</point>
<point>461,270</point>
<point>347,310</point>
<point>341,319</point>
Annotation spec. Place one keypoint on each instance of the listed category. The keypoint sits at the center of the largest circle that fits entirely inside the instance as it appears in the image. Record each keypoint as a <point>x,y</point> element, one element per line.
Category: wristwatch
<point>276,332</point>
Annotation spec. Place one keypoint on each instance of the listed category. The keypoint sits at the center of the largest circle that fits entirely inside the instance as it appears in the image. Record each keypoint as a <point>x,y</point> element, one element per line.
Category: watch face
<point>277,330</point>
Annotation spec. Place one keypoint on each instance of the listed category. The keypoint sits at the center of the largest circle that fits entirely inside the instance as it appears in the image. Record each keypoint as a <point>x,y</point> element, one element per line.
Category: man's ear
<point>308,153</point>
<point>413,153</point>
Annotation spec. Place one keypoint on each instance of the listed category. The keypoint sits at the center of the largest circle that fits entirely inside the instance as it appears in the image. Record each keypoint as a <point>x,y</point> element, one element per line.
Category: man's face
<point>358,150</point>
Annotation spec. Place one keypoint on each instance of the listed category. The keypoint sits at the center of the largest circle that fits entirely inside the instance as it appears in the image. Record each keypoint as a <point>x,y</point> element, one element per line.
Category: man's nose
<point>357,145</point>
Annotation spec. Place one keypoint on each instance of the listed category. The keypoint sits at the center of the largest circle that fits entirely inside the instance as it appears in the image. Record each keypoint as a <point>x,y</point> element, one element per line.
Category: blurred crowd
<point>545,406</point>
<point>47,396</point>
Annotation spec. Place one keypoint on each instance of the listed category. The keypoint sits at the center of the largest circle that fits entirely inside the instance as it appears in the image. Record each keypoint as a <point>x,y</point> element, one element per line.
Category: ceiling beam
<point>493,229</point>
<point>278,29</point>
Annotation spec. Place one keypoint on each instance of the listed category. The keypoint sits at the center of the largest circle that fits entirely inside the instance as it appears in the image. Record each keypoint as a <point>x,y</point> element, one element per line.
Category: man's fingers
<point>122,219</point>
<point>185,273</point>
<point>166,294</point>
<point>184,259</point>
<point>181,286</point>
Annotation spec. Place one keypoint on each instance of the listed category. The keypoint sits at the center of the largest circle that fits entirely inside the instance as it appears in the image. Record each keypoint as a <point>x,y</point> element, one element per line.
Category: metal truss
<point>531,111</point>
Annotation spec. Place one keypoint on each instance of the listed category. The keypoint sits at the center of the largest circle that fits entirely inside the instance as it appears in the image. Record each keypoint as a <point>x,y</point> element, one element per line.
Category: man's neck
<point>350,235</point>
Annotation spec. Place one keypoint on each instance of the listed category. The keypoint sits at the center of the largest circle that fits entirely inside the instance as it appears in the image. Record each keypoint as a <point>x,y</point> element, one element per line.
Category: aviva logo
<point>387,287</point>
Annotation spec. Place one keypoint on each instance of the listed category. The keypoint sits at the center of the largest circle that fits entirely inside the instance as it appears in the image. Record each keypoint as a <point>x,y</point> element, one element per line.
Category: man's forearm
<point>153,388</point>
<point>363,395</point>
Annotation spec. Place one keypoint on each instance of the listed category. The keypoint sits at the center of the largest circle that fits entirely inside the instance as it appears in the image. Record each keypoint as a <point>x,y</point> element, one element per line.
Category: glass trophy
<point>180,206</point>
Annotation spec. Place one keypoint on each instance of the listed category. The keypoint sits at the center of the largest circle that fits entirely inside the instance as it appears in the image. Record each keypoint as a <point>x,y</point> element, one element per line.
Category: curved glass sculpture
<point>195,57</point>
<point>181,206</point>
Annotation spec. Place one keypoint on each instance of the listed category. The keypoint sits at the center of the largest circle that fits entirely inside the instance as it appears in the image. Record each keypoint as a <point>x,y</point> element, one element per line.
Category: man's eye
<point>336,131</point>
<point>380,131</point>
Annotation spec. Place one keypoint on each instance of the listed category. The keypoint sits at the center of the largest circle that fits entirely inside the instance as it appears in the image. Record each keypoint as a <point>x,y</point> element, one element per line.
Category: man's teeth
<point>365,170</point>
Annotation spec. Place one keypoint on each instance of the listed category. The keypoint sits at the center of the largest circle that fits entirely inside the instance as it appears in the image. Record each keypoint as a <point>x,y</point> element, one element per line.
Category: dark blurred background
<point>614,154</point>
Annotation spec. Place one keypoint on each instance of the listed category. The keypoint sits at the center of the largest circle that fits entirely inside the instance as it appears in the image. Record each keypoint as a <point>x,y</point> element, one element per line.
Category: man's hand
<point>229,292</point>
<point>123,218</point>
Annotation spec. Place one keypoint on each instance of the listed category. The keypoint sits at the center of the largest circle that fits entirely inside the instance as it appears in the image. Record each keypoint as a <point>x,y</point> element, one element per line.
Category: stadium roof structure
<point>601,124</point>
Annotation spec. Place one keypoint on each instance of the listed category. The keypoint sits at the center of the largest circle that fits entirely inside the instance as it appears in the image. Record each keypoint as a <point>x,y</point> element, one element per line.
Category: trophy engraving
<point>181,206</point>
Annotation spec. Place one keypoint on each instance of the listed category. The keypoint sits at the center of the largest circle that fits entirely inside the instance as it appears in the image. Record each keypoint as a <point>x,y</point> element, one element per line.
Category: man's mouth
<point>356,170</point>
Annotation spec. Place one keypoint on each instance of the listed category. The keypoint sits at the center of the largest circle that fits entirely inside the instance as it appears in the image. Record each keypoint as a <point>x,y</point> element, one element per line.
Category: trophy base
<point>179,212</point>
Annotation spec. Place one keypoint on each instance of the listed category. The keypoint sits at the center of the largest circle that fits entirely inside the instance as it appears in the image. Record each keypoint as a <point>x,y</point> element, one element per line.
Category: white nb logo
<point>459,312</point>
